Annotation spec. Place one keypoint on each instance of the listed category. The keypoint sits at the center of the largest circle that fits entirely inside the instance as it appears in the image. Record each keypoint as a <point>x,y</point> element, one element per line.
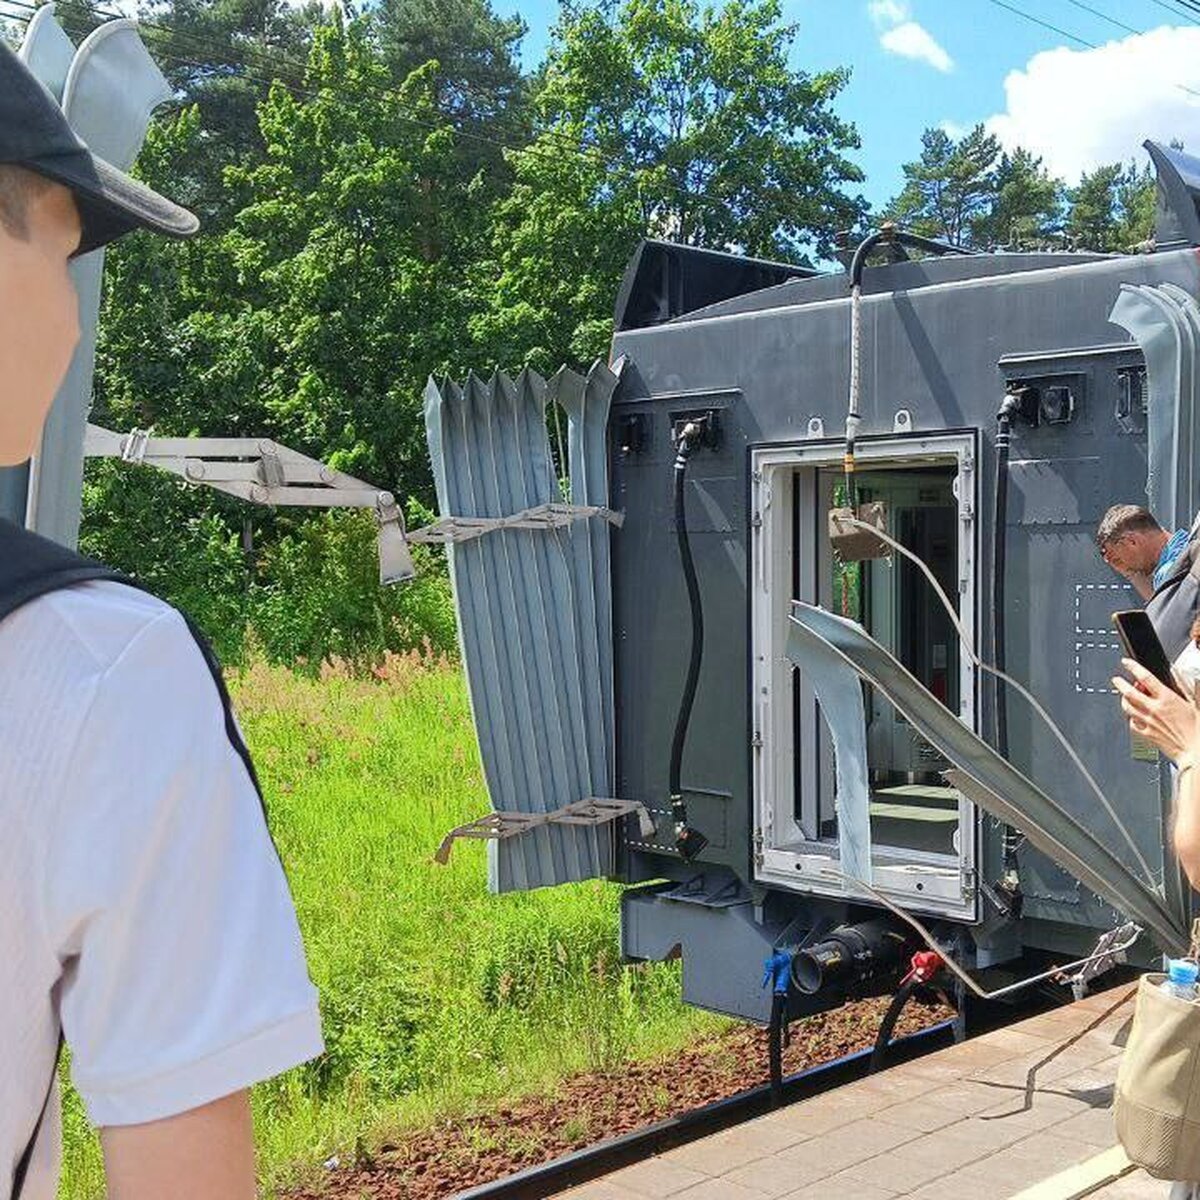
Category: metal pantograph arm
<point>263,472</point>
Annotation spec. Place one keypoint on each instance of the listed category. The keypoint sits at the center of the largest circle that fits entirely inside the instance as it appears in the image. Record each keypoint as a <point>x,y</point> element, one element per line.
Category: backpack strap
<point>22,1167</point>
<point>33,566</point>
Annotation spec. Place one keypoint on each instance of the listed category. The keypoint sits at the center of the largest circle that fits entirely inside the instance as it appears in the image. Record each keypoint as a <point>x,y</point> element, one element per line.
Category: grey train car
<point>1086,363</point>
<point>944,340</point>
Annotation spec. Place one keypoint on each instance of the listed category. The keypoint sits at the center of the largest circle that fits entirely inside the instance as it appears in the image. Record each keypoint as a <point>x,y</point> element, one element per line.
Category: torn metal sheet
<point>1189,401</point>
<point>990,781</point>
<point>840,696</point>
<point>107,88</point>
<point>587,401</point>
<point>111,88</point>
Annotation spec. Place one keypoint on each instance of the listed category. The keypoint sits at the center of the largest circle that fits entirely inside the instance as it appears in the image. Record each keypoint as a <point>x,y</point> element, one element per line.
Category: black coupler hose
<point>688,841</point>
<point>887,1027</point>
<point>775,1046</point>
<point>1009,408</point>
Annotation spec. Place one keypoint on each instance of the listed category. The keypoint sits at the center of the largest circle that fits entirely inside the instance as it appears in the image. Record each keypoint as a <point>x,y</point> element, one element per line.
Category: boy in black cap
<point>143,911</point>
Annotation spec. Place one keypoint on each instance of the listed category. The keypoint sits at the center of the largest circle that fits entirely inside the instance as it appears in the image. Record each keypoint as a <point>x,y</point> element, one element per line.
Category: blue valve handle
<point>777,971</point>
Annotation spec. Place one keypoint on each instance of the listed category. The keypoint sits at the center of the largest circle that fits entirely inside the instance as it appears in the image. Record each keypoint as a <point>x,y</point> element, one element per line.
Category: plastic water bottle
<point>1181,979</point>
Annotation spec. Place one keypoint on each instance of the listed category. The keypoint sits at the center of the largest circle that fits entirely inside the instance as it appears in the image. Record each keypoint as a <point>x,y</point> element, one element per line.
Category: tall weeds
<point>437,998</point>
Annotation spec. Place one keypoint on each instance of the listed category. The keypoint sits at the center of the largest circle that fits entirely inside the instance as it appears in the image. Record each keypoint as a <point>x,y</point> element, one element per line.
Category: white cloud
<point>953,130</point>
<point>899,34</point>
<point>914,41</point>
<point>886,13</point>
<point>1078,109</point>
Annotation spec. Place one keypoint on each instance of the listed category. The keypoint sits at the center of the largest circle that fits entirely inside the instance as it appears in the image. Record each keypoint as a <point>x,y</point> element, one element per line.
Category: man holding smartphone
<point>144,913</point>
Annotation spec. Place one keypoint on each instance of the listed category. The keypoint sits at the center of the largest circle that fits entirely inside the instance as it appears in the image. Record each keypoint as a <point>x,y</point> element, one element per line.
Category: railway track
<point>550,1178</point>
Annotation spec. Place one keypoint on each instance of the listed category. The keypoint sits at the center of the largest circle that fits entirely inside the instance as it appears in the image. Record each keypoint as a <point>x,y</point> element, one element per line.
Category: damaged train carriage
<point>841,754</point>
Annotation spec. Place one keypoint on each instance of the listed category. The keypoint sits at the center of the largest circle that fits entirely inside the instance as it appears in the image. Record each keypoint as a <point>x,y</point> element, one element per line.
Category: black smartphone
<point>1136,631</point>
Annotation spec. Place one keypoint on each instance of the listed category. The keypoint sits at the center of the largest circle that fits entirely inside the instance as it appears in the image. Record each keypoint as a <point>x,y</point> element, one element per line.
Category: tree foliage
<point>970,192</point>
<point>391,195</point>
<point>668,119</point>
<point>1113,207</point>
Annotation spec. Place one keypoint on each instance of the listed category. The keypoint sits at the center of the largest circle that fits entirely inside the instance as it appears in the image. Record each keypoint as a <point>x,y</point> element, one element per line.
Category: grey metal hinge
<point>970,883</point>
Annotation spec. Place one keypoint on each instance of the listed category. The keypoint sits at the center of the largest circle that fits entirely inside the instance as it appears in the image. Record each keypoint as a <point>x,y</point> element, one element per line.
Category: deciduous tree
<point>660,118</point>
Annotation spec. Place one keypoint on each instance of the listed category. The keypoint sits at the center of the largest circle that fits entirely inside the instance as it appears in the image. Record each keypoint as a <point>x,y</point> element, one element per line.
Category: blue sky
<point>918,63</point>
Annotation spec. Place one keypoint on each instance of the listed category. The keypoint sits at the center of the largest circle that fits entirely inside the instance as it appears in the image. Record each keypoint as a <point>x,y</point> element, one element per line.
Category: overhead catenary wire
<point>1082,41</point>
<point>1095,12</point>
<point>1127,29</point>
<point>1176,12</point>
<point>1020,12</point>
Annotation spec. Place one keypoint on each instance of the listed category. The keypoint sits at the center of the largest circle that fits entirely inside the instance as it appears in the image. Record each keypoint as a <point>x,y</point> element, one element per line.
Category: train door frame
<point>786,854</point>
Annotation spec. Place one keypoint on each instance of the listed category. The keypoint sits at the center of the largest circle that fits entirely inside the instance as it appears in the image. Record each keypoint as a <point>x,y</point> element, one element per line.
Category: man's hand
<point>204,1154</point>
<point>1156,712</point>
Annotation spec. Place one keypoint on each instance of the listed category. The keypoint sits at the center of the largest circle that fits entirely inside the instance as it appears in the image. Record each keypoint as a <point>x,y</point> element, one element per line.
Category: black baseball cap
<point>34,134</point>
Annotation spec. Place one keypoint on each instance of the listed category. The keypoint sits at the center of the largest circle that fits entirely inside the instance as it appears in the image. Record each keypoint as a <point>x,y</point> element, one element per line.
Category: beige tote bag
<point>1157,1104</point>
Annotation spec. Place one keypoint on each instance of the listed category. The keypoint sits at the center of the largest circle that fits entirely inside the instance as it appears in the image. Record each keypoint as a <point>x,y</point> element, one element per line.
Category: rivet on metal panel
<point>816,427</point>
<point>902,422</point>
<point>193,469</point>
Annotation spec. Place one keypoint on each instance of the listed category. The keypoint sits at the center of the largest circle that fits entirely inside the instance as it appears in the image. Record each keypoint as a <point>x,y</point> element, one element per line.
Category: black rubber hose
<point>1004,418</point>
<point>883,1039</point>
<point>775,1046</point>
<point>889,233</point>
<point>999,557</point>
<point>690,842</point>
<point>859,261</point>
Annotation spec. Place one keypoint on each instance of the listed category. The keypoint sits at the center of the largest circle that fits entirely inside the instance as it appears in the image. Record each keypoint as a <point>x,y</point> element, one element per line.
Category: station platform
<point>1023,1113</point>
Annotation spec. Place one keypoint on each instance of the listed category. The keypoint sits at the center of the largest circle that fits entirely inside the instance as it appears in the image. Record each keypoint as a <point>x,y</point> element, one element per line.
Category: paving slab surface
<point>985,1120</point>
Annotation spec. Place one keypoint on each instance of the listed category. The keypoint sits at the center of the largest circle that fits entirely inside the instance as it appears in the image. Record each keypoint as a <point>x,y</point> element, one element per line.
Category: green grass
<point>437,998</point>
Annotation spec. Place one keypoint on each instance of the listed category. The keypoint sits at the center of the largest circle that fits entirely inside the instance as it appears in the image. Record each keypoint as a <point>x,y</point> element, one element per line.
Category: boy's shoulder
<point>60,610</point>
<point>83,629</point>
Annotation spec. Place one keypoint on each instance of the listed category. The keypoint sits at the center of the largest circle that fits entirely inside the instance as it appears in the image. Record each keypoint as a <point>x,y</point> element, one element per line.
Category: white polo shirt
<point>141,900</point>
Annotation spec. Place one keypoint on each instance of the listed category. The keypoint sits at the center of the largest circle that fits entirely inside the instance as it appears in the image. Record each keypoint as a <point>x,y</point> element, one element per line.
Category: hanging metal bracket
<point>542,516</point>
<point>497,826</point>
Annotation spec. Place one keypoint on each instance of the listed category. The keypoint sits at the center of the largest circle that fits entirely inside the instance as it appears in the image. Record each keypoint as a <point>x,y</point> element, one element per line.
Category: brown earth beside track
<point>436,1162</point>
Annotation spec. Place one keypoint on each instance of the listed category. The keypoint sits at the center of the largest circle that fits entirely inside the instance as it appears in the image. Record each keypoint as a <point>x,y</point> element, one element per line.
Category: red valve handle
<point>925,964</point>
